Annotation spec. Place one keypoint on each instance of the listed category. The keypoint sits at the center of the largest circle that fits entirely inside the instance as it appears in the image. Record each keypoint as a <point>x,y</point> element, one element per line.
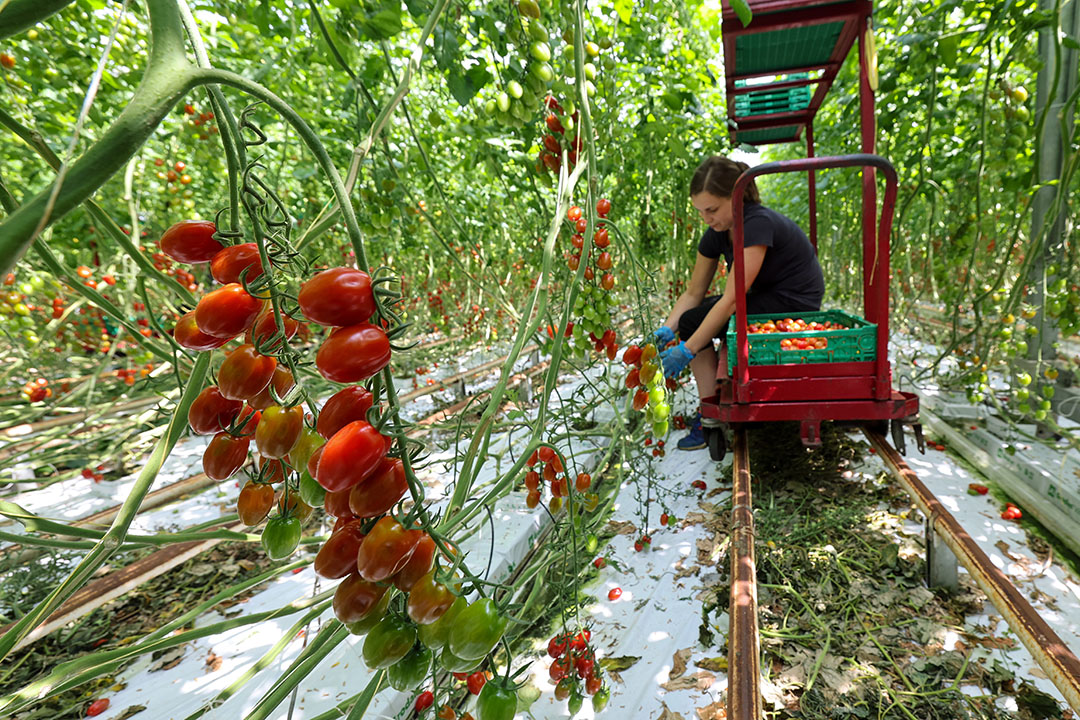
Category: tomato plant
<point>353,353</point>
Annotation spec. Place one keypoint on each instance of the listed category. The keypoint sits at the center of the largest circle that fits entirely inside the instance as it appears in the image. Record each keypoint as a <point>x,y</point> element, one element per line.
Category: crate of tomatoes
<point>828,336</point>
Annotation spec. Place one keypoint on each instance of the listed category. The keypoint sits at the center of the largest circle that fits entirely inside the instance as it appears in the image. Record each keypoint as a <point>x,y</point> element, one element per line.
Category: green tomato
<point>374,617</point>
<point>657,395</point>
<point>311,492</point>
<point>305,447</point>
<point>477,630</point>
<point>661,412</point>
<point>1024,379</point>
<point>591,543</point>
<point>503,101</point>
<point>435,635</point>
<point>541,51</point>
<point>514,88</point>
<point>452,663</point>
<point>538,32</point>
<point>497,700</point>
<point>281,536</point>
<point>389,641</point>
<point>575,701</point>
<point>600,699</point>
<point>660,429</point>
<point>37,282</point>
<point>409,672</point>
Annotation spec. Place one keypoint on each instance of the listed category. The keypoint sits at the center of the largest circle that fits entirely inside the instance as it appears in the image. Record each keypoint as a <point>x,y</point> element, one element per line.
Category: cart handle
<point>881,257</point>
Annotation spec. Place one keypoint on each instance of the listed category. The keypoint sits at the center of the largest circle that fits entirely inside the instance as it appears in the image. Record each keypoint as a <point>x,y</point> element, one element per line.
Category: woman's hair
<point>717,176</point>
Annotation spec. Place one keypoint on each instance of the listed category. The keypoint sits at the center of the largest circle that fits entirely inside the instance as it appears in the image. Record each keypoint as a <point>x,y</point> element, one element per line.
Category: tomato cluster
<point>594,304</point>
<point>790,325</point>
<point>545,465</point>
<point>37,390</point>
<point>1011,512</point>
<point>574,669</point>
<point>557,138</point>
<point>646,379</point>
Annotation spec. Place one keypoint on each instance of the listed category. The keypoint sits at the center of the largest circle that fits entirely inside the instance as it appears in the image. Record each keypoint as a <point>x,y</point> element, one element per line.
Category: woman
<point>781,271</point>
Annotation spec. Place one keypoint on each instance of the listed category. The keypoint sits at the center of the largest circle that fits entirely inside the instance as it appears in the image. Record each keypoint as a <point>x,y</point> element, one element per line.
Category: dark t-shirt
<point>790,270</point>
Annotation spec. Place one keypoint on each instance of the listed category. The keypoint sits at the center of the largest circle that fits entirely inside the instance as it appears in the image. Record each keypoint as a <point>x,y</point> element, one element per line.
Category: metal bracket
<point>810,432</point>
<point>941,565</point>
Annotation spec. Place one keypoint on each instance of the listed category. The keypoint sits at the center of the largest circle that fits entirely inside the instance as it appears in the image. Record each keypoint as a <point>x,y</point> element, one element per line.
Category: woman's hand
<point>663,335</point>
<point>676,359</point>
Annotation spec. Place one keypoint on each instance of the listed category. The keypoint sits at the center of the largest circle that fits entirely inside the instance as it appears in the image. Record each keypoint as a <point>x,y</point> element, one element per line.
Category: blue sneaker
<point>695,439</point>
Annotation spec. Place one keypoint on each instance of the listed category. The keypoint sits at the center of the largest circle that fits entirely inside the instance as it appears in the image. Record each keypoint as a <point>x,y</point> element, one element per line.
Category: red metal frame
<point>772,15</point>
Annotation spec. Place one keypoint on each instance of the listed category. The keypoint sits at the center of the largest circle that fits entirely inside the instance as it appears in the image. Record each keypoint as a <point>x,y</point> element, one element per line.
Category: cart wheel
<point>717,443</point>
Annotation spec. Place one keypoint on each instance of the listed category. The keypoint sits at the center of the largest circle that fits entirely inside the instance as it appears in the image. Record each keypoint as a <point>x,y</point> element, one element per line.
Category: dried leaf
<point>700,680</point>
<point>618,664</point>
<point>201,569</point>
<point>717,664</point>
<point>620,528</point>
<point>213,662</point>
<point>715,711</point>
<point>678,663</point>
<point>168,659</point>
<point>130,711</point>
<point>667,714</point>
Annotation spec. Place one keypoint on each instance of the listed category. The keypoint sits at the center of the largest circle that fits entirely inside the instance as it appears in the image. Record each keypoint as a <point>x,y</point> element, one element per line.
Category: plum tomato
<point>224,456</point>
<point>381,490</point>
<point>227,311</point>
<point>353,353</point>
<point>418,565</point>
<point>429,600</point>
<point>265,327</point>
<point>282,381</point>
<point>245,373</point>
<point>388,642</point>
<point>337,556</point>
<point>355,597</point>
<point>336,504</point>
<point>236,261</point>
<point>477,630</point>
<point>436,634</point>
<point>350,456</point>
<point>190,241</point>
<point>210,413</point>
<point>279,430</point>
<point>343,407</point>
<point>281,536</point>
<point>188,335</point>
<point>338,297</point>
<point>497,700</point>
<point>409,672</point>
<point>255,502</point>
<point>386,549</point>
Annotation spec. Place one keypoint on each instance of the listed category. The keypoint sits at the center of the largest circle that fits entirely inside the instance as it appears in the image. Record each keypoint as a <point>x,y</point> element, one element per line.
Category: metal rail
<point>744,657</point>
<point>1053,656</point>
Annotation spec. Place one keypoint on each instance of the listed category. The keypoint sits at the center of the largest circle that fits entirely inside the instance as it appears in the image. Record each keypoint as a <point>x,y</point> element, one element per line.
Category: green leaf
<point>625,9</point>
<point>383,24</point>
<point>464,86</point>
<point>446,47</point>
<point>1070,42</point>
<point>742,9</point>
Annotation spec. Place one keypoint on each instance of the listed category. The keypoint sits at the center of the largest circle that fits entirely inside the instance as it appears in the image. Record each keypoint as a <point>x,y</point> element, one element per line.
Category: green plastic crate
<point>856,342</point>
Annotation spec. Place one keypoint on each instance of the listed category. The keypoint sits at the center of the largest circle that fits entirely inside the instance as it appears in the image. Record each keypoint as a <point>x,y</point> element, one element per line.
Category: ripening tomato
<point>607,281</point>
<point>355,598</point>
<point>350,456</point>
<point>371,618</point>
<point>381,490</point>
<point>429,600</point>
<point>305,447</point>
<point>336,504</point>
<point>337,556</point>
<point>224,456</point>
<point>236,261</point>
<point>263,330</point>
<point>353,353</point>
<point>436,634</point>
<point>281,536</point>
<point>343,407</point>
<point>386,549</point>
<point>600,239</point>
<point>584,480</point>
<point>211,413</point>
<point>254,503</point>
<point>279,430</point>
<point>338,297</point>
<point>245,373</point>
<point>604,261</point>
<point>417,566</point>
<point>271,470</point>
<point>282,381</point>
<point>188,335</point>
<point>249,419</point>
<point>603,207</point>
<point>190,241</point>
<point>388,642</point>
<point>227,311</point>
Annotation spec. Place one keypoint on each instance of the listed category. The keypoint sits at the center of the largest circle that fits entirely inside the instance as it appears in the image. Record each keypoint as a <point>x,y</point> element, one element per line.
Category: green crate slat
<point>768,135</point>
<point>791,76</point>
<point>777,50</point>
<point>857,342</point>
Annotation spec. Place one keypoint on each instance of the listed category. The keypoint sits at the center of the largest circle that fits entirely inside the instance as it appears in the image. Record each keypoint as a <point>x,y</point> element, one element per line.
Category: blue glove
<point>676,359</point>
<point>664,335</point>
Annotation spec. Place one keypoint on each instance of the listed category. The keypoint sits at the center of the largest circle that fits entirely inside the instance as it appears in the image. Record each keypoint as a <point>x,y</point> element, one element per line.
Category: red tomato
<point>633,378</point>
<point>278,430</point>
<point>265,327</point>
<point>339,296</point>
<point>475,682</point>
<point>574,213</point>
<point>343,407</point>
<point>353,353</point>
<point>553,123</point>
<point>355,597</point>
<point>271,470</point>
<point>254,503</point>
<point>604,261</point>
<point>418,565</point>
<point>423,701</point>
<point>235,261</point>
<point>603,207</point>
<point>614,594</point>
<point>282,381</point>
<point>600,239</point>
<point>337,556</point>
<point>584,480</point>
<point>313,461</point>
<point>245,373</point>
<point>190,241</point>
<point>350,456</point>
<point>211,413</point>
<point>227,311</point>
<point>250,417</point>
<point>429,600</point>
<point>188,335</point>
<point>97,707</point>
<point>552,143</point>
<point>386,549</point>
<point>224,456</point>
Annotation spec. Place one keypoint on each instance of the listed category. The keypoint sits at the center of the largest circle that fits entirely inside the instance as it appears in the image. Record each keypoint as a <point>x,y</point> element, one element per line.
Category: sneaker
<point>695,439</point>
